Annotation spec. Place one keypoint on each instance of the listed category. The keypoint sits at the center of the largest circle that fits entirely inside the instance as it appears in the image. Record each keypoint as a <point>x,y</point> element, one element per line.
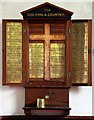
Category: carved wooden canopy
<point>47,10</point>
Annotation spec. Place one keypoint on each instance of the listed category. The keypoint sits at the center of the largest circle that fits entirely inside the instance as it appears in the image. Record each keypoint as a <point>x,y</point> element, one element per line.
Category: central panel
<point>47,52</point>
<point>47,67</point>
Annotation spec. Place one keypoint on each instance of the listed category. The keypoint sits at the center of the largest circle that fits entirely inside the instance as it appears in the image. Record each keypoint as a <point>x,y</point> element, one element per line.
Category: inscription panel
<point>47,11</point>
<point>57,60</point>
<point>80,52</point>
<point>36,60</point>
<point>13,52</point>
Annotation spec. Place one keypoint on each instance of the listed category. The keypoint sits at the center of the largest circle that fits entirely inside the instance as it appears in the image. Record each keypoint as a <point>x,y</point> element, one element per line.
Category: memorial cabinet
<point>46,52</point>
<point>37,49</point>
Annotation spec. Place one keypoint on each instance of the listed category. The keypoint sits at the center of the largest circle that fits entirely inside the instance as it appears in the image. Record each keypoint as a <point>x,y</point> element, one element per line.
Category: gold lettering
<point>30,14</point>
<point>55,14</point>
<point>38,14</point>
<point>45,14</point>
<point>47,10</point>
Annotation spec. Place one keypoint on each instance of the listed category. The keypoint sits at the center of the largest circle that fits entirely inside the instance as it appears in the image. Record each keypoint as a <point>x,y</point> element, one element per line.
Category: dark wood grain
<point>55,96</point>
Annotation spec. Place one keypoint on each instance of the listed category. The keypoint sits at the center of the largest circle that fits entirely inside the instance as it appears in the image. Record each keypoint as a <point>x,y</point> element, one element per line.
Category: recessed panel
<point>36,29</point>
<point>57,29</point>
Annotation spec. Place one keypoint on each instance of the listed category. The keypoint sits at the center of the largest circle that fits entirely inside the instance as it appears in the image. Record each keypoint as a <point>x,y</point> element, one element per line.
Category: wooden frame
<point>90,52</point>
<point>25,54</point>
<point>69,52</point>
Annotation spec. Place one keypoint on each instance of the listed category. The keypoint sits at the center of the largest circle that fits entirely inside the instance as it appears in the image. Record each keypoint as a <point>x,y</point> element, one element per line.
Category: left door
<point>12,52</point>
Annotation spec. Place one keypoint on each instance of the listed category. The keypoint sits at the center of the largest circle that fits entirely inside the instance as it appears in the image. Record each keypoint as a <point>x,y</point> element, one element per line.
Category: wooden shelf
<point>48,111</point>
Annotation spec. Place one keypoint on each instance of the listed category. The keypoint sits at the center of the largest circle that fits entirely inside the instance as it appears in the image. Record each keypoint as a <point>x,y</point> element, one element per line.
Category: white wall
<point>80,100</point>
<point>12,98</point>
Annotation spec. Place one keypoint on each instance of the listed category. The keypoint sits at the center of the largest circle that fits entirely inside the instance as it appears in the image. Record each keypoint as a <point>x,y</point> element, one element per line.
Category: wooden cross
<point>47,37</point>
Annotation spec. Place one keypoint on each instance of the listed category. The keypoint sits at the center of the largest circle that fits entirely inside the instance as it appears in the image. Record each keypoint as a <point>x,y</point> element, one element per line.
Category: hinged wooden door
<point>12,52</point>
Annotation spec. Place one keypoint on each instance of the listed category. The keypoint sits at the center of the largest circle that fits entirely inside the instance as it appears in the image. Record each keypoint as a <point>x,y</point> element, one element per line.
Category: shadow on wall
<point>20,101</point>
<point>75,89</point>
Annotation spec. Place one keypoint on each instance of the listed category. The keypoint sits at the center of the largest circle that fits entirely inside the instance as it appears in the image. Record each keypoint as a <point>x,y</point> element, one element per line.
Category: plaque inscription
<point>47,11</point>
